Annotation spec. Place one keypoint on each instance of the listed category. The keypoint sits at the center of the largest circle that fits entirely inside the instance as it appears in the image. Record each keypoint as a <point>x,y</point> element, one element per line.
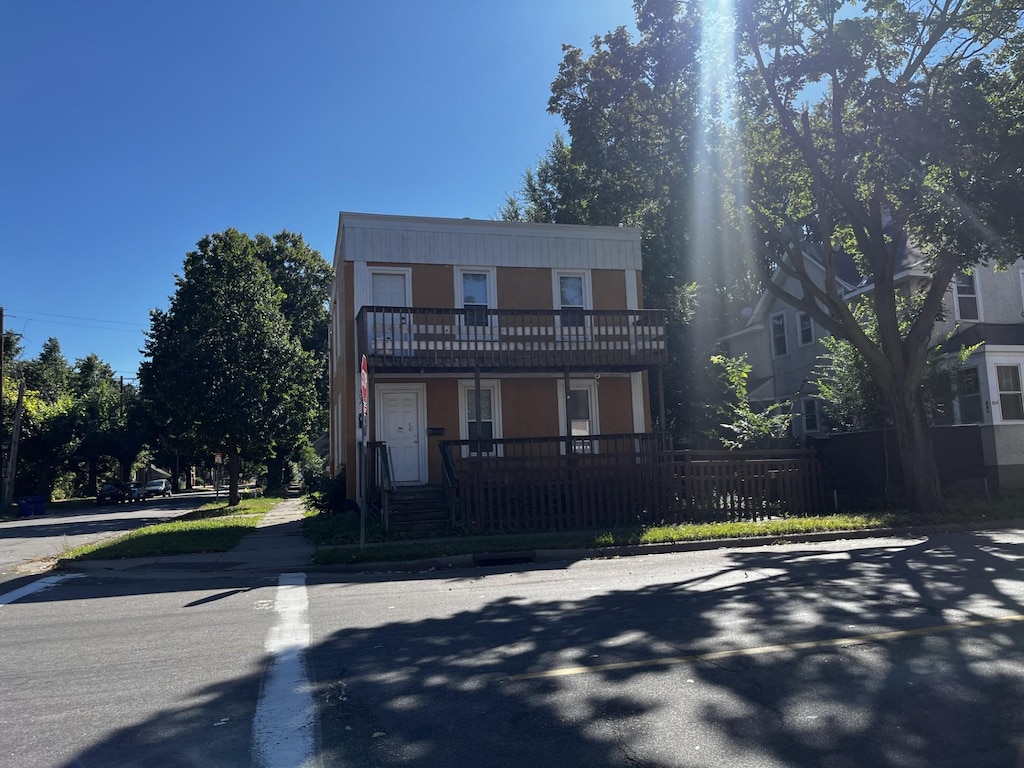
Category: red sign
<point>364,386</point>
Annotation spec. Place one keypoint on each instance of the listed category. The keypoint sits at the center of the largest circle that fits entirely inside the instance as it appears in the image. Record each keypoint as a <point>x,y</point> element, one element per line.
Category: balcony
<point>421,339</point>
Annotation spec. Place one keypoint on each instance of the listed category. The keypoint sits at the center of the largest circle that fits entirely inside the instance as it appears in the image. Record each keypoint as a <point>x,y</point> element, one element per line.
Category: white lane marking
<point>284,728</point>
<point>44,583</point>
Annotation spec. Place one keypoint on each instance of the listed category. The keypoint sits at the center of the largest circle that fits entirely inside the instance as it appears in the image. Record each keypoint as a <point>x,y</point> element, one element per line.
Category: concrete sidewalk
<point>278,546</point>
<point>275,546</point>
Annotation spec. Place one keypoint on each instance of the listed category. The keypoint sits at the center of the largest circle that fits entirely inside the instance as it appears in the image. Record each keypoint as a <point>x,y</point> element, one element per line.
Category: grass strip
<point>473,545</point>
<point>214,527</point>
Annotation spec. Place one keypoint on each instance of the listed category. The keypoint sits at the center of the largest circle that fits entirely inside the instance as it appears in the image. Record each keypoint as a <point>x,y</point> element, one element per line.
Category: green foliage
<point>882,131</point>
<point>223,370</point>
<point>325,493</point>
<point>752,428</point>
<point>238,361</point>
<point>635,158</point>
<point>850,397</point>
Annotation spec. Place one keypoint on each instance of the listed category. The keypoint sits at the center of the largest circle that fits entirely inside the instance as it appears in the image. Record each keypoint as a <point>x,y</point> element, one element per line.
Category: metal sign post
<point>364,402</point>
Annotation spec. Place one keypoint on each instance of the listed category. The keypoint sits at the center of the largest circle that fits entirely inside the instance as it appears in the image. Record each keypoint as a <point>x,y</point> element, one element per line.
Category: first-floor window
<point>810,414</point>
<point>578,405</point>
<point>480,433</point>
<point>579,415</point>
<point>1011,404</point>
<point>968,396</point>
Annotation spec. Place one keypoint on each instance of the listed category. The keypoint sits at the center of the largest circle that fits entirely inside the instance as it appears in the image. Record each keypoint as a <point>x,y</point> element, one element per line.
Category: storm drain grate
<point>212,566</point>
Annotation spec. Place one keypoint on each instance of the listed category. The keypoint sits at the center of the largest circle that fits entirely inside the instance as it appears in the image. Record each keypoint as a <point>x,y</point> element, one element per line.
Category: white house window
<point>579,409</point>
<point>1011,405</point>
<point>966,291</point>
<point>805,329</point>
<point>474,290</point>
<point>572,297</point>
<point>779,347</point>
<point>810,414</point>
<point>490,417</point>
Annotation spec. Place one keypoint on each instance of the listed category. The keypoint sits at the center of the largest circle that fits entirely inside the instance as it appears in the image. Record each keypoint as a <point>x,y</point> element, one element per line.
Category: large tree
<point>873,128</point>
<point>222,368</point>
<point>635,157</point>
<point>304,278</point>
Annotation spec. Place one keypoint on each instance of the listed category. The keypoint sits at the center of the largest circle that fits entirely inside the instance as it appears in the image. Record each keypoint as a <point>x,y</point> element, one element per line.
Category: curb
<point>486,559</point>
<point>136,569</point>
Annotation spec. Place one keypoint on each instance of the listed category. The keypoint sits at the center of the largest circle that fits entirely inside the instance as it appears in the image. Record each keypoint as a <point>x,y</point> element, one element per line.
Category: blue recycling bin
<point>31,505</point>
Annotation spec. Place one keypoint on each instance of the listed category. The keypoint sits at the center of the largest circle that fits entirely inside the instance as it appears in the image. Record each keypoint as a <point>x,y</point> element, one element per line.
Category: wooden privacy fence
<point>749,484</point>
<point>624,480</point>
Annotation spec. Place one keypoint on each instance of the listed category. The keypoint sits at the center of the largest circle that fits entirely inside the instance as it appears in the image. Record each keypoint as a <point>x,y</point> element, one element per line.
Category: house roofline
<point>520,228</point>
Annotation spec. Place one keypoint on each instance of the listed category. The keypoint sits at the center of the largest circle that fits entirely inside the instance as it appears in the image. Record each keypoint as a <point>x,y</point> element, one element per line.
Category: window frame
<point>556,300</point>
<point>800,329</point>
<point>494,387</point>
<point>804,415</point>
<point>958,296</point>
<point>489,329</point>
<point>1016,395</point>
<point>591,387</point>
<point>774,338</point>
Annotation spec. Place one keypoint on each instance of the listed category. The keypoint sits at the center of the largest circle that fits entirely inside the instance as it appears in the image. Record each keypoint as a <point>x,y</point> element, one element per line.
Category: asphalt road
<point>875,652</point>
<point>28,544</point>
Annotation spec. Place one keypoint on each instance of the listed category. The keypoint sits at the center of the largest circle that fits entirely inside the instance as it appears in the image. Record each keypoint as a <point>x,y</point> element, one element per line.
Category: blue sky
<point>131,129</point>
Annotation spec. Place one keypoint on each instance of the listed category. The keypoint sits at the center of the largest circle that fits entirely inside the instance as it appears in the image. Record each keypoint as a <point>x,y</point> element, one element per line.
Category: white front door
<point>401,419</point>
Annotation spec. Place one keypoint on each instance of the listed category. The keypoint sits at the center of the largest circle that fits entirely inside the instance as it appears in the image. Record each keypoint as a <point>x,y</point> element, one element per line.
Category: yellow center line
<point>766,649</point>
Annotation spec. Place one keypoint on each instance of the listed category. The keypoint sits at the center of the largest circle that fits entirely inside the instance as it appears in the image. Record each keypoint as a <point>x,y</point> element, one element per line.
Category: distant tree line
<point>236,365</point>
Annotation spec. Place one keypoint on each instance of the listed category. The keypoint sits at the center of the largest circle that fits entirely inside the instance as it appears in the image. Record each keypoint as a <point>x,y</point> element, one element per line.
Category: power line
<point>133,329</point>
<point>71,317</point>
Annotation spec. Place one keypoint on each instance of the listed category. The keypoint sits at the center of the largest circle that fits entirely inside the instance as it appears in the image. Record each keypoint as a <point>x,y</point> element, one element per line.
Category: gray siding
<point>466,242</point>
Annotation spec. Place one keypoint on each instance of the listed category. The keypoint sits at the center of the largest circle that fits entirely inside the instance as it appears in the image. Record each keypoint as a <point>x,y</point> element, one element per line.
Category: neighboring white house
<point>983,307</point>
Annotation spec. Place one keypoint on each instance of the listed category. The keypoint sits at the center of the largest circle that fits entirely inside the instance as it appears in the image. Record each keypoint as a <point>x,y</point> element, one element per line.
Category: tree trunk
<point>917,452</point>
<point>275,474</point>
<point>234,466</point>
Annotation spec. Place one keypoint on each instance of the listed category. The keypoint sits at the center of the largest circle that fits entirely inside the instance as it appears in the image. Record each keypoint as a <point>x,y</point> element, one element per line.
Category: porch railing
<point>378,478</point>
<point>398,338</point>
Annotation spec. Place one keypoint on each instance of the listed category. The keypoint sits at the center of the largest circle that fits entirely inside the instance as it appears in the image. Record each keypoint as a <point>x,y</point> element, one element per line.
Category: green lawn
<point>335,534</point>
<point>214,527</point>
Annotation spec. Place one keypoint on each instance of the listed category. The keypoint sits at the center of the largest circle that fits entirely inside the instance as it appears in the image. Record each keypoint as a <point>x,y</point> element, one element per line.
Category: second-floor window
<point>805,329</point>
<point>966,293</point>
<point>1011,404</point>
<point>572,298</point>
<point>779,345</point>
<point>474,297</point>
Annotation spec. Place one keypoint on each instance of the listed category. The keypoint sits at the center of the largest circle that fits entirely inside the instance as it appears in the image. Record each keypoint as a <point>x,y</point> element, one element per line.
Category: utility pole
<point>3,427</point>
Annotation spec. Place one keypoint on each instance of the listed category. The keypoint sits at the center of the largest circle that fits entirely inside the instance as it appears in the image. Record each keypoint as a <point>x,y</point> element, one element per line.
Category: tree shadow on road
<point>481,686</point>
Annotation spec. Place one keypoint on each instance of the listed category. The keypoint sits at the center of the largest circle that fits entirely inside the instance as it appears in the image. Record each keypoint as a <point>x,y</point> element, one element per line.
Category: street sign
<point>216,458</point>
<point>364,386</point>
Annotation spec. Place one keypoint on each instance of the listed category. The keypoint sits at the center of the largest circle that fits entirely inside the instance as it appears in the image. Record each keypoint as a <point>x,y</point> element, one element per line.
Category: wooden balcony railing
<point>396,338</point>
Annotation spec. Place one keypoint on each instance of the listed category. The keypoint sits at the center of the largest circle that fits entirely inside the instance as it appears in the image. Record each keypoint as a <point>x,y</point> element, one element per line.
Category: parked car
<point>136,492</point>
<point>158,488</point>
<point>113,493</point>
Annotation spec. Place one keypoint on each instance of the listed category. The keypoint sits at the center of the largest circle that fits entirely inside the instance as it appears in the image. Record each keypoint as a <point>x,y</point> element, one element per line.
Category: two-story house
<point>455,339</point>
<point>782,345</point>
